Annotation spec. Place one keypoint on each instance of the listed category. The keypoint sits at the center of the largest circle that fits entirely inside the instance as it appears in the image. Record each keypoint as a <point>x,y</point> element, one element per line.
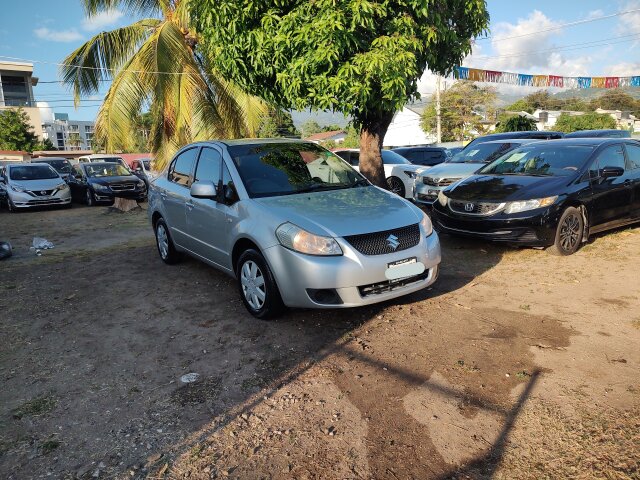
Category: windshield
<point>108,159</point>
<point>32,172</point>
<point>274,169</point>
<point>392,158</point>
<point>62,165</point>
<point>106,170</point>
<point>546,160</point>
<point>481,153</point>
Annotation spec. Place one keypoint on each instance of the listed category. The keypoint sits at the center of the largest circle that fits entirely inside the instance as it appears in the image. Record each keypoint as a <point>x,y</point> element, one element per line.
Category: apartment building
<point>68,134</point>
<point>16,91</point>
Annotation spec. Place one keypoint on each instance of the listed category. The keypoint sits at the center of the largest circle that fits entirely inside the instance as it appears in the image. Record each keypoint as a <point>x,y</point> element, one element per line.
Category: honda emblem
<point>469,207</point>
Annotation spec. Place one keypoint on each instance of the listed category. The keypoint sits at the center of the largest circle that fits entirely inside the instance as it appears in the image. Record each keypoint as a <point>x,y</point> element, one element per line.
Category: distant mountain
<point>590,93</point>
<point>323,118</point>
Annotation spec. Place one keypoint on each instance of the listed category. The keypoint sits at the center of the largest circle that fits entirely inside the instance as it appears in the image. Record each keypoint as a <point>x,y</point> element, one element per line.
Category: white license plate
<point>409,267</point>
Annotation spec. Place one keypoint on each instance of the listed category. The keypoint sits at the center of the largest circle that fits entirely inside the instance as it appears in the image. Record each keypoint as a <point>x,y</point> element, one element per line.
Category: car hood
<point>110,180</point>
<point>343,212</point>
<point>46,184</point>
<point>453,170</point>
<point>507,188</point>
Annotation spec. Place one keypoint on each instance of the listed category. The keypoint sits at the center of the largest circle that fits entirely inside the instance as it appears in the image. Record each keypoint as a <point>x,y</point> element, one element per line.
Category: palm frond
<point>135,7</point>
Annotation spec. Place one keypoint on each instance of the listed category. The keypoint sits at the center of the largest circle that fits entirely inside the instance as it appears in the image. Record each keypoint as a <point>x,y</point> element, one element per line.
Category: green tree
<point>589,121</point>
<point>361,57</point>
<point>352,140</point>
<point>463,111</point>
<point>16,133</point>
<point>310,127</point>
<point>516,123</point>
<point>543,100</point>
<point>156,64</point>
<point>47,145</point>
<point>616,99</point>
<point>277,123</point>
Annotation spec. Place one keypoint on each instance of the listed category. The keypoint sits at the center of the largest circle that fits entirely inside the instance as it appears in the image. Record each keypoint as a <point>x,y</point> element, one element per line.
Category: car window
<point>540,160</point>
<point>392,158</point>
<point>181,167</point>
<point>612,156</point>
<point>208,169</point>
<point>482,153</point>
<point>633,152</point>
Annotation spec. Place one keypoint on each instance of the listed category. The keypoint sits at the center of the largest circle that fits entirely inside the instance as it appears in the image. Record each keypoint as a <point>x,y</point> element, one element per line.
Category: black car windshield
<point>481,153</point>
<point>273,169</point>
<point>541,160</point>
<point>392,158</point>
<point>32,172</point>
<point>62,165</point>
<point>106,170</point>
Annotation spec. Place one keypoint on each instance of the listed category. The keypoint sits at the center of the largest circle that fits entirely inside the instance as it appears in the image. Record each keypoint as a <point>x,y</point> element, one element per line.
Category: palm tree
<point>154,65</point>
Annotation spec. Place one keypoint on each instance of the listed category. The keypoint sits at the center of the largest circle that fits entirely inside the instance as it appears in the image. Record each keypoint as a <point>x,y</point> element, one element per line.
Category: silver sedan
<point>293,223</point>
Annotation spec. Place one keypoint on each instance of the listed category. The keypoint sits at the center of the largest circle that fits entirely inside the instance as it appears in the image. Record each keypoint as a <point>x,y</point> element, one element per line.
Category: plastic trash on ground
<point>5,250</point>
<point>41,243</point>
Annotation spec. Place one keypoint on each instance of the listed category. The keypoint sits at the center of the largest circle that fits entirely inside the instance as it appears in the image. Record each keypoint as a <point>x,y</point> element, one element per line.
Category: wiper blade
<point>360,183</point>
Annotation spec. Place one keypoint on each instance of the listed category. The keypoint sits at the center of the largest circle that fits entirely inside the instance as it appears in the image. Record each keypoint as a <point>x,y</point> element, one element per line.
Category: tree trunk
<point>371,137</point>
<point>125,204</point>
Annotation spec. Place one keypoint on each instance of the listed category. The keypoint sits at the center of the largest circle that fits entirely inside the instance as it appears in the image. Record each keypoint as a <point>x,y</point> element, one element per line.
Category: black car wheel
<point>10,206</point>
<point>166,249</point>
<point>569,232</point>
<point>396,186</point>
<point>257,286</point>
<point>89,198</point>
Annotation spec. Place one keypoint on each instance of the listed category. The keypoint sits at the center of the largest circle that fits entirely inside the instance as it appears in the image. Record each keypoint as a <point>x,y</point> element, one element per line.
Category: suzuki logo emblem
<point>469,207</point>
<point>393,242</point>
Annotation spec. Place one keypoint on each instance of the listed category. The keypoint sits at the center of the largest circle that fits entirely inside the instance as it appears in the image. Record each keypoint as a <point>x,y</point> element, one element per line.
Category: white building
<point>405,130</point>
<point>68,134</point>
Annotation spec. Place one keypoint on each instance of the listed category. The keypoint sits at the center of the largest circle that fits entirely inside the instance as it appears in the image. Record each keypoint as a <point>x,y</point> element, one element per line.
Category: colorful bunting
<point>524,80</point>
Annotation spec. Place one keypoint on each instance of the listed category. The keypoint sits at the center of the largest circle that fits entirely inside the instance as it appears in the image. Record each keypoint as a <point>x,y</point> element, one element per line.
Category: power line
<point>558,27</point>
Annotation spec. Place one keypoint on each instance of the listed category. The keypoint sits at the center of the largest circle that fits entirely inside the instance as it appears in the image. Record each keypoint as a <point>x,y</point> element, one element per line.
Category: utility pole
<point>438,120</point>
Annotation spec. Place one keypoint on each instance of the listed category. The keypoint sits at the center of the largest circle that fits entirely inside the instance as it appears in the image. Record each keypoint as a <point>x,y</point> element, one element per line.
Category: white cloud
<point>65,36</point>
<point>593,14</point>
<point>101,20</point>
<point>623,69</point>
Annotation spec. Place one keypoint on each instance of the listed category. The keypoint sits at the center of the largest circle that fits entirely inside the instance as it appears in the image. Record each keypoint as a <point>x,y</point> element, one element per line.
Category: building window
<point>16,91</point>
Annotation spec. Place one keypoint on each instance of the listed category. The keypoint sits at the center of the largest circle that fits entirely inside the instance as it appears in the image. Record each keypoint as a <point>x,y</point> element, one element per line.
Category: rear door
<point>611,202</point>
<point>633,157</point>
<point>176,193</point>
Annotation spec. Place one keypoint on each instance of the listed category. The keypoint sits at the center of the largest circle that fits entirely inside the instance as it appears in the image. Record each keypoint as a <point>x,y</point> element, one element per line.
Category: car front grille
<point>439,182</point>
<point>390,285</point>
<point>42,193</point>
<point>474,208</point>
<point>381,243</point>
<point>122,187</point>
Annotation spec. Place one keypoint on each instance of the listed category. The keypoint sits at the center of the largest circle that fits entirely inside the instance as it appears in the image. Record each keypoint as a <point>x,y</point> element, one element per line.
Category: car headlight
<point>62,187</point>
<point>295,238</point>
<point>410,174</point>
<point>524,205</point>
<point>102,188</point>
<point>140,184</point>
<point>442,198</point>
<point>426,225</point>
<point>18,188</point>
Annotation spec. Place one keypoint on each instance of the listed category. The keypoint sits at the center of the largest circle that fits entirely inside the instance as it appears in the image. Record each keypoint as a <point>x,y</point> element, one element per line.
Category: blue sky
<point>47,31</point>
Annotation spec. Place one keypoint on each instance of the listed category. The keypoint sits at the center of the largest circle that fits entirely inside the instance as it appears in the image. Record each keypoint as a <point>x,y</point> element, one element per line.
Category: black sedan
<point>101,182</point>
<point>547,194</point>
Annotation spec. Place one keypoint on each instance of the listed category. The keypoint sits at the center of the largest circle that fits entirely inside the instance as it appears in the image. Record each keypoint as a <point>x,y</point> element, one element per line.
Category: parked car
<point>141,168</point>
<point>101,157</point>
<point>399,171</point>
<point>101,182</point>
<point>425,156</point>
<point>28,185</point>
<point>534,134</point>
<point>547,194</point>
<point>60,165</point>
<point>599,134</point>
<point>464,164</point>
<point>293,223</point>
<point>454,150</point>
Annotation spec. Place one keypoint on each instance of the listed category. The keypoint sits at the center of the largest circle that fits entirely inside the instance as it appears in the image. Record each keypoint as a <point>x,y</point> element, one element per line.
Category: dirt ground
<point>515,364</point>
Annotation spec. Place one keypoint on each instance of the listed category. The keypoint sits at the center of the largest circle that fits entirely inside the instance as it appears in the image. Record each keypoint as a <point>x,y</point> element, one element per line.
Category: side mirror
<point>204,190</point>
<point>138,170</point>
<point>230,194</point>
<point>611,172</point>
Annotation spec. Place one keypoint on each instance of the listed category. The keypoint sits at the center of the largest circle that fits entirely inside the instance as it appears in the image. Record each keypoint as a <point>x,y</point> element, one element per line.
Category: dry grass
<point>592,444</point>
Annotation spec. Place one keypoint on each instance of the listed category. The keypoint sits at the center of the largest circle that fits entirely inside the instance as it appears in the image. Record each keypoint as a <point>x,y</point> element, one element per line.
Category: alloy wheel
<point>253,286</point>
<point>570,232</point>
<point>395,186</point>
<point>163,241</point>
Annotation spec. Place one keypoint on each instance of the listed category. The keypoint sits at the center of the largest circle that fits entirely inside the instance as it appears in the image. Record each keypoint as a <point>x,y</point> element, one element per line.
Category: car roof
<point>512,140</point>
<point>415,147</point>
<point>522,134</point>
<point>253,141</point>
<point>586,141</point>
<point>579,133</point>
<point>46,159</point>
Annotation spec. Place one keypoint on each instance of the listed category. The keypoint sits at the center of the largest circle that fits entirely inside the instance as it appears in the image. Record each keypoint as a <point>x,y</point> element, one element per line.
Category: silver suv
<point>293,223</point>
<point>27,185</point>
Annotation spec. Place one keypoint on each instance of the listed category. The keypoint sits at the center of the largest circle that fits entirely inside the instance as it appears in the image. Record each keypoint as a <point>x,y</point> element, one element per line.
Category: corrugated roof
<point>324,135</point>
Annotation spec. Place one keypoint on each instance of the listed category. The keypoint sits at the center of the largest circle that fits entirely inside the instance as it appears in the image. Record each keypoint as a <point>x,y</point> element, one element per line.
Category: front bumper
<point>25,200</point>
<point>107,196</point>
<point>357,279</point>
<point>426,194</point>
<point>534,228</point>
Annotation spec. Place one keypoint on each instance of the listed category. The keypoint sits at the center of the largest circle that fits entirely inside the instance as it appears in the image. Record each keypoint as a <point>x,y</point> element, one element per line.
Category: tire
<point>257,287</point>
<point>89,199</point>
<point>10,206</point>
<point>166,249</point>
<point>396,186</point>
<point>569,233</point>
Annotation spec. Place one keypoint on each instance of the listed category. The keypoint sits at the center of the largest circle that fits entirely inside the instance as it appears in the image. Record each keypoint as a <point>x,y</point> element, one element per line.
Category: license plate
<point>433,193</point>
<point>408,267</point>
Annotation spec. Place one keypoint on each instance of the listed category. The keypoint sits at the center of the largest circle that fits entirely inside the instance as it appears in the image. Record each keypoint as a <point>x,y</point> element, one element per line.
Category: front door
<point>611,202</point>
<point>633,156</point>
<point>176,194</point>
<point>206,218</point>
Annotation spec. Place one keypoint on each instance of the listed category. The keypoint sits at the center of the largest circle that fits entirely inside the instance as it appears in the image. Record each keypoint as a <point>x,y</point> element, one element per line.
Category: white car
<point>399,172</point>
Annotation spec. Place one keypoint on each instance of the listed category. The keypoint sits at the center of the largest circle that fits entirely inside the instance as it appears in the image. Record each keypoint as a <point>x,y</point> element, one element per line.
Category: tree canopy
<point>589,121</point>
<point>463,111</point>
<point>16,133</point>
<point>516,123</point>
<point>360,57</point>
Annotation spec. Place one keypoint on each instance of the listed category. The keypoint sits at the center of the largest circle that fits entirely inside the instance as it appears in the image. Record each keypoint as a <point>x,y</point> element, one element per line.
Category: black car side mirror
<point>611,172</point>
<point>230,194</point>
